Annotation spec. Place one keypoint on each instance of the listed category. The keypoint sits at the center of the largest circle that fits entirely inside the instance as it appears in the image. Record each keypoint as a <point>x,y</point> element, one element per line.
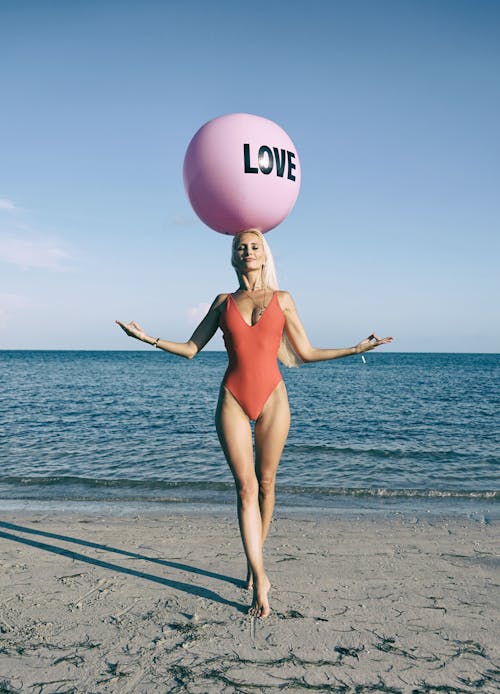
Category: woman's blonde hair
<point>286,354</point>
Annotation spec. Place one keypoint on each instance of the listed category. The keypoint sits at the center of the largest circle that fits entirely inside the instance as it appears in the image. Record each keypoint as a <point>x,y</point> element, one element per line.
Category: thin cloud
<point>33,253</point>
<point>7,204</point>
<point>23,245</point>
<point>196,313</point>
<point>10,301</point>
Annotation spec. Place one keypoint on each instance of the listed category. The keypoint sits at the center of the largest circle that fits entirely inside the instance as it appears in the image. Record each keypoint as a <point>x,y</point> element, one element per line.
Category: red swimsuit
<point>252,373</point>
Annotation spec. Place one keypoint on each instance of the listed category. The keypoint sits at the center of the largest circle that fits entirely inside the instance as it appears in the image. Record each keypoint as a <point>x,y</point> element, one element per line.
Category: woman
<point>257,322</point>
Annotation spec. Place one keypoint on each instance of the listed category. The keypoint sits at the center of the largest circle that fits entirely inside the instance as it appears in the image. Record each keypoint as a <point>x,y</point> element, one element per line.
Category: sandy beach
<point>96,603</point>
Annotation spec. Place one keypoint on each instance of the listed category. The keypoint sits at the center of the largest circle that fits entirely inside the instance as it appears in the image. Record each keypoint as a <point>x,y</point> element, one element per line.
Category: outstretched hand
<point>132,329</point>
<point>371,342</point>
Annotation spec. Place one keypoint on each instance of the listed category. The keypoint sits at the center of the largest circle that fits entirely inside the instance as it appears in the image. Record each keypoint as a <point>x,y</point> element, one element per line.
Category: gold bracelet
<point>155,343</point>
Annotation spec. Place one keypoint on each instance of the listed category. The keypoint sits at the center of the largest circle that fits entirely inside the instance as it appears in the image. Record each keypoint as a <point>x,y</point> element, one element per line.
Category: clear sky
<point>393,105</point>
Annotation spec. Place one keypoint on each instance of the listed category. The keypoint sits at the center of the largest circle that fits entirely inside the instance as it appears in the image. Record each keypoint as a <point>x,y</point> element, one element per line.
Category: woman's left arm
<point>302,346</point>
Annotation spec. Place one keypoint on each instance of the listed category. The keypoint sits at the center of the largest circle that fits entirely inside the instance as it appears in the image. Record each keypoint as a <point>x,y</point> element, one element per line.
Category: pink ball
<point>241,172</point>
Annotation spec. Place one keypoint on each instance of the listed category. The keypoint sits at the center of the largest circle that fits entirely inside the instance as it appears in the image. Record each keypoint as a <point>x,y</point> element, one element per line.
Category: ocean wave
<point>436,455</point>
<point>78,488</point>
<point>67,480</point>
<point>382,492</point>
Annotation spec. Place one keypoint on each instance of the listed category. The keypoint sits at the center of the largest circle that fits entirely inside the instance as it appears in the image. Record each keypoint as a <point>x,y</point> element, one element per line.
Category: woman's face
<point>249,253</point>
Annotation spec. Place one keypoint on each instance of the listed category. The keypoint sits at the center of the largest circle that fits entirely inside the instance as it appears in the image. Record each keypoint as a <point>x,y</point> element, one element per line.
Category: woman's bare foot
<point>260,605</point>
<point>249,581</point>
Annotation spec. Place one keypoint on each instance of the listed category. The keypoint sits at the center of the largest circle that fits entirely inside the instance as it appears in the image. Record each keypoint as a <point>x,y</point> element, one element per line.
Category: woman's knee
<point>247,490</point>
<point>266,486</point>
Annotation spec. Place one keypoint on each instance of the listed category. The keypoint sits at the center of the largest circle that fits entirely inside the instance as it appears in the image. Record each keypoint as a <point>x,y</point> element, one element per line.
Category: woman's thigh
<point>235,436</point>
<point>271,432</point>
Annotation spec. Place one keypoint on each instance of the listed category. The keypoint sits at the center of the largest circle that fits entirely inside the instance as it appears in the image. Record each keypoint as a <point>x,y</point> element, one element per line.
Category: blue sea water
<point>403,432</point>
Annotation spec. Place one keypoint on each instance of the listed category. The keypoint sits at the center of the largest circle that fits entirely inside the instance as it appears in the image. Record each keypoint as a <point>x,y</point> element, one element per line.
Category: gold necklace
<point>260,309</point>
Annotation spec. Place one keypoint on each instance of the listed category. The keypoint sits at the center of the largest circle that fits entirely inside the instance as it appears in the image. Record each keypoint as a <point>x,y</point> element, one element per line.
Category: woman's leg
<point>235,436</point>
<point>271,432</point>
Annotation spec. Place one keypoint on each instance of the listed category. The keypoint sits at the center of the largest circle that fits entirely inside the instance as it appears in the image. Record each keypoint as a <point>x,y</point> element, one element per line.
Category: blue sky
<point>392,105</point>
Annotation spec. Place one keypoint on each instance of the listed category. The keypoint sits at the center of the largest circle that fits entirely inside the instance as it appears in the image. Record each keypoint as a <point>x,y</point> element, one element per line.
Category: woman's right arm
<point>203,333</point>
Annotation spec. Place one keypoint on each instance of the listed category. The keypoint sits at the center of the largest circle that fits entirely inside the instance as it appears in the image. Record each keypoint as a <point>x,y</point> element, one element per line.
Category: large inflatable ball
<point>241,172</point>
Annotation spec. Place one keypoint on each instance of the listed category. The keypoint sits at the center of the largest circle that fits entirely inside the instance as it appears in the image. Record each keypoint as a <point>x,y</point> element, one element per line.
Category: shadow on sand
<point>77,556</point>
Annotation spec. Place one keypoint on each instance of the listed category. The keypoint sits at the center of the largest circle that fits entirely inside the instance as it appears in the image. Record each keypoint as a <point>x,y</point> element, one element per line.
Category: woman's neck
<point>251,281</point>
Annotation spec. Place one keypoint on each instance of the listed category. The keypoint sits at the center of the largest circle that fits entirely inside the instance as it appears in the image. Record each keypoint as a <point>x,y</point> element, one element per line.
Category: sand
<point>96,603</point>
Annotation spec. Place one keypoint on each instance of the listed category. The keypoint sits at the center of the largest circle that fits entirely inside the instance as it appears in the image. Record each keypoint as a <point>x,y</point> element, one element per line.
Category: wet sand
<point>95,603</point>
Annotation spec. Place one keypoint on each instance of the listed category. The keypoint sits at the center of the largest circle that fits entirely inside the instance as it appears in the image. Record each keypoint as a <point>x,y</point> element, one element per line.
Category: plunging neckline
<point>252,325</point>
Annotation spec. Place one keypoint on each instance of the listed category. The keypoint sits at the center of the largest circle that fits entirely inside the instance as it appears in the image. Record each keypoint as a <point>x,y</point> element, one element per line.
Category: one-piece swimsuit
<point>252,373</point>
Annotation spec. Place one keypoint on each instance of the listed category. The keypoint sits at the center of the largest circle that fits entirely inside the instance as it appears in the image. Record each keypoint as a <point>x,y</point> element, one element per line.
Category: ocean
<point>134,430</point>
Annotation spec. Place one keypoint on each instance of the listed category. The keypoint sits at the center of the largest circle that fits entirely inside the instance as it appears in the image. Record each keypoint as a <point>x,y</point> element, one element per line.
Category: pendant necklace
<point>260,308</point>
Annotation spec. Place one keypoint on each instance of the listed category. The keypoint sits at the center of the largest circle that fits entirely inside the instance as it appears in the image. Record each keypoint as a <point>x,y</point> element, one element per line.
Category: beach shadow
<point>77,556</point>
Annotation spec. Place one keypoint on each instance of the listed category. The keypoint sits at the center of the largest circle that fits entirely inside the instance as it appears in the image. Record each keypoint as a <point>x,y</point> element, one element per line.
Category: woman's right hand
<point>132,329</point>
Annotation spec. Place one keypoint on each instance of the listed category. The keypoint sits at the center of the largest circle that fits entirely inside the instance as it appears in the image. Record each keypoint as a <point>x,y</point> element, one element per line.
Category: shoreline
<point>481,509</point>
<point>154,603</point>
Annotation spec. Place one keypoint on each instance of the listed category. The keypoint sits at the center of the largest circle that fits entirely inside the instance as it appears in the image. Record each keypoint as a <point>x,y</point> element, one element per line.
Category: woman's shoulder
<point>285,299</point>
<point>220,300</point>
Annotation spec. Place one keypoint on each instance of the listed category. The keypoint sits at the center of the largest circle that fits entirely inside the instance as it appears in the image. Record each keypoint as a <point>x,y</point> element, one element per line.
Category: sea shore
<point>155,603</point>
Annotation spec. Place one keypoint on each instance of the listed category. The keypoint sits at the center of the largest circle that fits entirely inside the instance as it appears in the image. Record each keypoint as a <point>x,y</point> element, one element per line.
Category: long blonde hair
<point>286,354</point>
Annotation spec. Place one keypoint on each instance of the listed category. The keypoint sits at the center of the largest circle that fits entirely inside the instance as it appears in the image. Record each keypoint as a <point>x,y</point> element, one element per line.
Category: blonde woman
<point>259,324</point>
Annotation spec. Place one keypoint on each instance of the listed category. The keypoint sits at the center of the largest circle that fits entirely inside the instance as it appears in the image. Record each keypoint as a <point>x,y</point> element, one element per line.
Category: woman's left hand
<point>371,342</point>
